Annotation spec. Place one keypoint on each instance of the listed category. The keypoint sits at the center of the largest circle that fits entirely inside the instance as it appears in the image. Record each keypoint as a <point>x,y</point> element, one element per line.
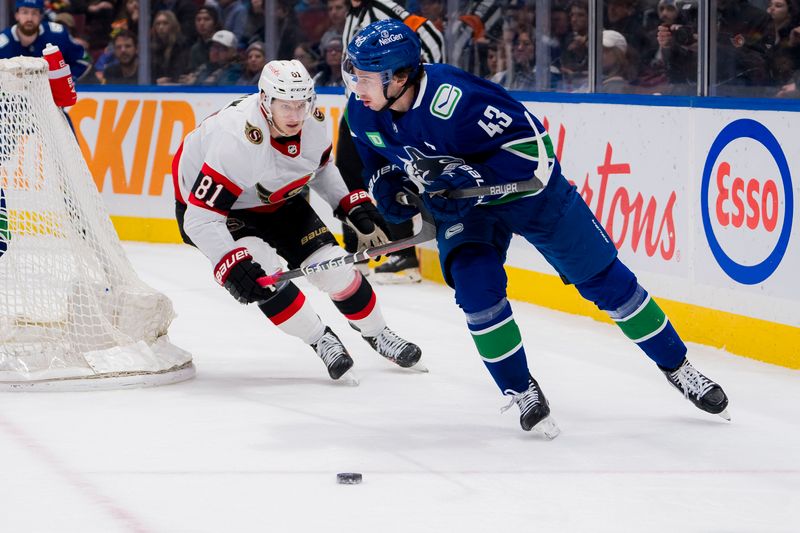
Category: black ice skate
<point>534,410</point>
<point>333,353</point>
<point>697,388</point>
<point>396,349</point>
<point>398,268</point>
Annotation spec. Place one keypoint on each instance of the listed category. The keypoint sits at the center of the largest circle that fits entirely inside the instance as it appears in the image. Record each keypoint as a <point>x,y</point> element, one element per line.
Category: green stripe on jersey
<point>495,342</point>
<point>644,322</point>
<point>529,149</point>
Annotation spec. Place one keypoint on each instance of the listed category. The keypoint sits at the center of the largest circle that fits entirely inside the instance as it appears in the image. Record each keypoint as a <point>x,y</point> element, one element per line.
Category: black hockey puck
<point>348,478</point>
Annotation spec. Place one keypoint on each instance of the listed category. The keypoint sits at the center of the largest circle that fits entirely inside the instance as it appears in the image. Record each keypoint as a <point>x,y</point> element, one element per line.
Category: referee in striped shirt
<point>362,13</point>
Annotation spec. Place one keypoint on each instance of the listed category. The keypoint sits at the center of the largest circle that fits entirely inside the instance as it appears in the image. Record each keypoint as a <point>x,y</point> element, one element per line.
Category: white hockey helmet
<point>286,80</point>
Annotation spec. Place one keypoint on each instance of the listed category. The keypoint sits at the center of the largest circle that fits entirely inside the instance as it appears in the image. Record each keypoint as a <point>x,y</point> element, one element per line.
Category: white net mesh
<point>71,306</point>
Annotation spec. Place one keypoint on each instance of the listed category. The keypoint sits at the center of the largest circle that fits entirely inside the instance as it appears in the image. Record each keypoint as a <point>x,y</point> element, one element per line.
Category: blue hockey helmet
<point>34,4</point>
<point>385,46</point>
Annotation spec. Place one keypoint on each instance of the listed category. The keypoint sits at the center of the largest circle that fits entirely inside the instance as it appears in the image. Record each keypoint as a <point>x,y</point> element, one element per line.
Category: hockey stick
<point>426,233</point>
<point>530,185</point>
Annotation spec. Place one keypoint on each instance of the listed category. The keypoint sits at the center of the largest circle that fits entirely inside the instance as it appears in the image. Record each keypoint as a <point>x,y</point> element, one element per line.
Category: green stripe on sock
<point>499,341</point>
<point>643,323</point>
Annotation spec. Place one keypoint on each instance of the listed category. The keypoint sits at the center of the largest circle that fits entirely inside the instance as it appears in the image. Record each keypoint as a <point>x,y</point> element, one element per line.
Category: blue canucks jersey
<point>49,32</point>
<point>455,116</point>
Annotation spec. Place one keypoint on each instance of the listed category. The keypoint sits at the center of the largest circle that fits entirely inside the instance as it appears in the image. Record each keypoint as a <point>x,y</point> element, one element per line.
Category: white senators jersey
<point>230,162</point>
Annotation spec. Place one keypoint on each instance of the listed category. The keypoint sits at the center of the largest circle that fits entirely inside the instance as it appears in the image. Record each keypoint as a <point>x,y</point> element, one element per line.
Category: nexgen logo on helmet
<point>389,39</point>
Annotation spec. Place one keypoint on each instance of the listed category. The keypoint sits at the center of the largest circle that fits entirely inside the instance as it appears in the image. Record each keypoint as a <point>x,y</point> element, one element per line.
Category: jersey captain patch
<point>253,133</point>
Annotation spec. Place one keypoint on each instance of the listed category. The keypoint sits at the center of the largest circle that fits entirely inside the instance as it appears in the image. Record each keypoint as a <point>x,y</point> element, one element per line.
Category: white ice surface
<point>255,441</point>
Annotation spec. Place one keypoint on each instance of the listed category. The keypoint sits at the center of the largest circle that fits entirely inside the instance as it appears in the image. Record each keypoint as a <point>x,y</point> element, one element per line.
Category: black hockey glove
<point>243,277</point>
<point>384,186</point>
<point>453,177</point>
<point>357,211</point>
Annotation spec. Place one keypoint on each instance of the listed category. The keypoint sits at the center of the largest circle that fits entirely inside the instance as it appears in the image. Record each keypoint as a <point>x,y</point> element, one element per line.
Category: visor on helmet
<point>367,80</point>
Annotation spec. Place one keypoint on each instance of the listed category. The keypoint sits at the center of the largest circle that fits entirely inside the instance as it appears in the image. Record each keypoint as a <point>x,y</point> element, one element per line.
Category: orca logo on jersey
<point>253,134</point>
<point>423,169</point>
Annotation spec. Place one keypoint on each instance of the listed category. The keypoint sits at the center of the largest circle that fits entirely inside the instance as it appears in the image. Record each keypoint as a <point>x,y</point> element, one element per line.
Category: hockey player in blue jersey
<point>440,129</point>
<point>29,36</point>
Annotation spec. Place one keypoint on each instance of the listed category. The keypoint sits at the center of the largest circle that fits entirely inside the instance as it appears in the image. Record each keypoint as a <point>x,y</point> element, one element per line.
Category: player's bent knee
<point>334,280</point>
<point>610,288</point>
<point>478,276</point>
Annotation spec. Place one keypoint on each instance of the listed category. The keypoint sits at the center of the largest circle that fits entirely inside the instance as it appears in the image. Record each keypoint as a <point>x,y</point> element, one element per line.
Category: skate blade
<point>419,367</point>
<point>349,379</point>
<point>396,278</point>
<point>725,415</point>
<point>548,428</point>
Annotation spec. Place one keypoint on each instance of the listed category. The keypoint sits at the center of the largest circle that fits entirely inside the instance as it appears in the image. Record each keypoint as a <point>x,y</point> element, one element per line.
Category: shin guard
<point>288,310</point>
<point>643,322</point>
<point>499,343</point>
<point>358,303</point>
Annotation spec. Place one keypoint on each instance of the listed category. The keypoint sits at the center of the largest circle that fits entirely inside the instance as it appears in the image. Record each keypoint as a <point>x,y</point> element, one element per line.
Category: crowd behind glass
<point>641,46</point>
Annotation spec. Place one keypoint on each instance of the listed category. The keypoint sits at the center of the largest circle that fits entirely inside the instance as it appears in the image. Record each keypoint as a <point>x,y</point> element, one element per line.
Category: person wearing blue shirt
<point>30,35</point>
<point>437,129</point>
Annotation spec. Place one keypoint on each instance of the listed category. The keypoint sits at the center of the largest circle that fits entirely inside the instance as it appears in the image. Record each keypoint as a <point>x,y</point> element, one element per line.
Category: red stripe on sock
<point>290,311</point>
<point>366,311</point>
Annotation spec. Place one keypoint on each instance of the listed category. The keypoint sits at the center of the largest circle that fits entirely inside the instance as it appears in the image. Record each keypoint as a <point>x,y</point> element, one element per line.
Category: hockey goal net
<point>73,313</point>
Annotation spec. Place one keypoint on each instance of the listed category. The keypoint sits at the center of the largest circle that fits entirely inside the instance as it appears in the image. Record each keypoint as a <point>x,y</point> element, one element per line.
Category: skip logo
<point>747,201</point>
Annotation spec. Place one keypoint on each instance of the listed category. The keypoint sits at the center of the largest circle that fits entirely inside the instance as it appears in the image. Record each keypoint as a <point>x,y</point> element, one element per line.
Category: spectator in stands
<point>784,53</point>
<point>312,16</point>
<point>653,77</point>
<point>100,14</point>
<point>306,55</point>
<point>559,30</point>
<point>742,39</point>
<point>233,16</point>
<point>623,17</point>
<point>521,76</point>
<point>337,14</point>
<point>29,36</point>
<point>791,89</point>
<point>222,67</point>
<point>433,10</point>
<point>127,18</point>
<point>254,25</point>
<point>206,24</point>
<point>126,70</point>
<point>495,62</point>
<point>330,71</point>
<point>255,59</point>
<point>184,11</point>
<point>575,56</point>
<point>169,54</point>
<point>288,30</point>
<point>616,67</point>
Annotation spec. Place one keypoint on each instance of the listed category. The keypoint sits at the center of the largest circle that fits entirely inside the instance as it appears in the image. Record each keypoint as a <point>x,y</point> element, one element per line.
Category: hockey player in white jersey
<point>239,174</point>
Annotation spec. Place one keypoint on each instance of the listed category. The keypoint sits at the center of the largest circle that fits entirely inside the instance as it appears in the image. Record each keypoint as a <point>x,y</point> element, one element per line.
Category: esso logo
<point>747,201</point>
